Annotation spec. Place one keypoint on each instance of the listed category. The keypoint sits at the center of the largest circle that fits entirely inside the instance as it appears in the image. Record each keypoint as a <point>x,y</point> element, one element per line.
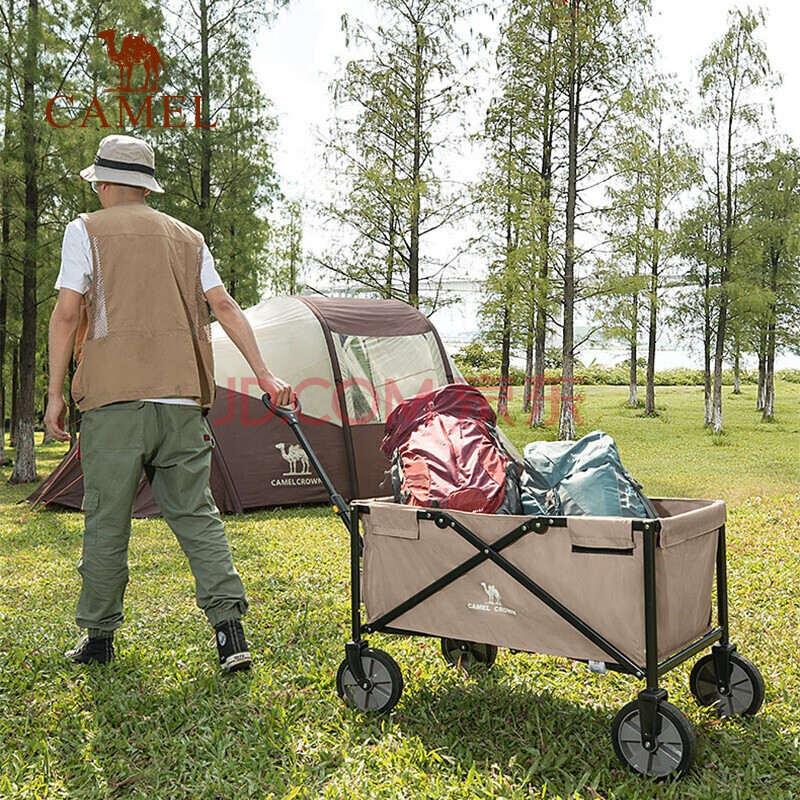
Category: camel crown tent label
<point>298,467</point>
<point>136,104</point>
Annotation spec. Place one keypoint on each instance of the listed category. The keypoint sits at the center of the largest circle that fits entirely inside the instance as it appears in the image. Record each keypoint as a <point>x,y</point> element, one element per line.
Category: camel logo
<point>493,596</point>
<point>298,470</point>
<point>135,50</point>
<point>296,457</point>
<point>493,602</point>
<point>135,106</point>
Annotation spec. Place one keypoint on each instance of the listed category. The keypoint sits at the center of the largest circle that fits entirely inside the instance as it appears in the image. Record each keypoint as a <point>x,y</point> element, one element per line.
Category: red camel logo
<point>135,50</point>
<point>166,111</point>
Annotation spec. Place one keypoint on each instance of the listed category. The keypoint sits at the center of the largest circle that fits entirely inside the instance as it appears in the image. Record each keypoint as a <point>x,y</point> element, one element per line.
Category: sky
<point>296,58</point>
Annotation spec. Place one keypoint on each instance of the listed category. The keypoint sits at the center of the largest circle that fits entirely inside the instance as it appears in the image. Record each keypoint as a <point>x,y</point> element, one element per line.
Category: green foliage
<point>488,374</point>
<point>161,722</point>
<point>406,80</point>
<point>476,356</point>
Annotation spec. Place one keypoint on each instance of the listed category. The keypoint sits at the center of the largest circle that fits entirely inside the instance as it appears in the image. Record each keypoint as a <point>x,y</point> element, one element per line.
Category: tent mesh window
<point>378,372</point>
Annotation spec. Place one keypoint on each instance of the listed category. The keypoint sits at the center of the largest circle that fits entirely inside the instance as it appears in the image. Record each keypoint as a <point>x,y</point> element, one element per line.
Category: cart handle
<point>289,413</point>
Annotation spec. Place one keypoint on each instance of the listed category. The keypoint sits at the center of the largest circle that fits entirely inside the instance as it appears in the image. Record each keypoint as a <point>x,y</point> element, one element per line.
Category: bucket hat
<point>124,159</point>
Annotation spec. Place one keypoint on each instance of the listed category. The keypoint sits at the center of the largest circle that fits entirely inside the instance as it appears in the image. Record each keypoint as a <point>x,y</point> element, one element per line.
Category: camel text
<point>168,111</point>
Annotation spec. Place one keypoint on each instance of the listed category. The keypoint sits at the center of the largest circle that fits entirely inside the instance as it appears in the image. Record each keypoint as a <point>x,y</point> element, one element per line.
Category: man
<point>132,302</point>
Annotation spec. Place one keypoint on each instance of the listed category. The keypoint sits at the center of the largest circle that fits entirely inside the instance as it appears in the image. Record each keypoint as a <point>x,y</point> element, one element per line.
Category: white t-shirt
<point>76,274</point>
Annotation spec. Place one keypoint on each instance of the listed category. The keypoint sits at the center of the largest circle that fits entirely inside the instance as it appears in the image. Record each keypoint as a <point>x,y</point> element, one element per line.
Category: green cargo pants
<point>173,445</point>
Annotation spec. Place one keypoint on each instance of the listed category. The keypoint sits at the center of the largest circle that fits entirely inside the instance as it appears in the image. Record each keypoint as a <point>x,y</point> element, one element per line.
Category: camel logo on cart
<point>298,471</point>
<point>493,602</point>
<point>492,595</point>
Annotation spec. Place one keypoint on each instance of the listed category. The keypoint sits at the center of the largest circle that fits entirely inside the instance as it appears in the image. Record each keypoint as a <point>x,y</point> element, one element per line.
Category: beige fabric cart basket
<point>593,566</point>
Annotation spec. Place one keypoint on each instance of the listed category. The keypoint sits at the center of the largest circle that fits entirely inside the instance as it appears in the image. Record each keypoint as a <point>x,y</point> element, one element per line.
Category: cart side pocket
<point>400,522</point>
<point>599,535</point>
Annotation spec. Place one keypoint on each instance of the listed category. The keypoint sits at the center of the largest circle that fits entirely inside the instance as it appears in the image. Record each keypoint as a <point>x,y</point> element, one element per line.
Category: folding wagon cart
<point>630,595</point>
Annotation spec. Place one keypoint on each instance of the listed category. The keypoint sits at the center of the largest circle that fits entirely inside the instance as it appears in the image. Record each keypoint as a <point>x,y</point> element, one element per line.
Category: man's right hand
<point>280,392</point>
<point>54,417</point>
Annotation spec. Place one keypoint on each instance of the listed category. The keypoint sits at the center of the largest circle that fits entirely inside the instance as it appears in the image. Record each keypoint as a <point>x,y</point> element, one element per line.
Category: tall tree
<point>733,76</point>
<point>770,197</point>
<point>602,40</point>
<point>286,249</point>
<point>25,459</point>
<point>5,213</point>
<point>526,68</point>
<point>695,312</point>
<point>396,109</point>
<point>222,176</point>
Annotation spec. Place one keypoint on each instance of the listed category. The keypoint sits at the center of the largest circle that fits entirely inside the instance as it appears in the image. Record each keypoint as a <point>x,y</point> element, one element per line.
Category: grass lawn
<point>161,722</point>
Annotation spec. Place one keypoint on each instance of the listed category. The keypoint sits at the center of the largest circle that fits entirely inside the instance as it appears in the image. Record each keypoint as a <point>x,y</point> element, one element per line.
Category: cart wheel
<point>384,679</point>
<point>459,653</point>
<point>746,686</point>
<point>675,743</point>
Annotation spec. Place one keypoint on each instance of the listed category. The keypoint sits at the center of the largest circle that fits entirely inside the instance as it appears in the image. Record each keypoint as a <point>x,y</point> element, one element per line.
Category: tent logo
<point>493,602</point>
<point>296,457</point>
<point>298,471</point>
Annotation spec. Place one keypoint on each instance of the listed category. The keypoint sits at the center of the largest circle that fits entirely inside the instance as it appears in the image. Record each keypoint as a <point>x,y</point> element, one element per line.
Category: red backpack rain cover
<point>446,453</point>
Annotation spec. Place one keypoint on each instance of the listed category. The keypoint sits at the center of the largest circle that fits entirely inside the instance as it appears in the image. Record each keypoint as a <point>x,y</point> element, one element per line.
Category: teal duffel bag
<point>583,478</point>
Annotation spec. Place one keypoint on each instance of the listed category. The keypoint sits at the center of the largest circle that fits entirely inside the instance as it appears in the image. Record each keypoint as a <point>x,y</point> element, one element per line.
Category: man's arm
<point>63,325</point>
<point>235,324</point>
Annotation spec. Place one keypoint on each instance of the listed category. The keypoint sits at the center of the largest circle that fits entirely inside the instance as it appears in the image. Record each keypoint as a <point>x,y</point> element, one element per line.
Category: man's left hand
<point>54,418</point>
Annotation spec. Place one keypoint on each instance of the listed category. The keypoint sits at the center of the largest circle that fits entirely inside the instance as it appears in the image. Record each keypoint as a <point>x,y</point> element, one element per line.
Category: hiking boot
<point>91,648</point>
<point>232,646</point>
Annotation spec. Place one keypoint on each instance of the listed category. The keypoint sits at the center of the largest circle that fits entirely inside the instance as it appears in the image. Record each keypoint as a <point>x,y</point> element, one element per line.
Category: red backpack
<point>446,453</point>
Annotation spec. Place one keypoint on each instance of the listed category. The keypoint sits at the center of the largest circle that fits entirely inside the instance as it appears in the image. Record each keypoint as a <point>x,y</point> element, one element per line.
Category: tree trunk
<point>541,294</point>
<point>722,319</point>
<point>14,397</point>
<point>633,388</point>
<point>768,411</point>
<point>5,247</point>
<point>737,384</point>
<point>762,365</point>
<point>388,291</point>
<point>205,133</point>
<point>650,391</point>
<point>505,361</point>
<point>530,335</point>
<point>566,423</point>
<point>719,351</point>
<point>416,177</point>
<point>633,377</point>
<point>707,334</point>
<point>25,461</point>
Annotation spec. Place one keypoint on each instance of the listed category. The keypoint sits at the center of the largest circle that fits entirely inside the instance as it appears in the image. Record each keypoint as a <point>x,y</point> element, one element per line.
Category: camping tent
<point>350,360</point>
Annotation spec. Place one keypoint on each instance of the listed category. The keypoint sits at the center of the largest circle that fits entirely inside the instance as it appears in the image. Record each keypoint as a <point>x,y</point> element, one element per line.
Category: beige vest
<point>144,330</point>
